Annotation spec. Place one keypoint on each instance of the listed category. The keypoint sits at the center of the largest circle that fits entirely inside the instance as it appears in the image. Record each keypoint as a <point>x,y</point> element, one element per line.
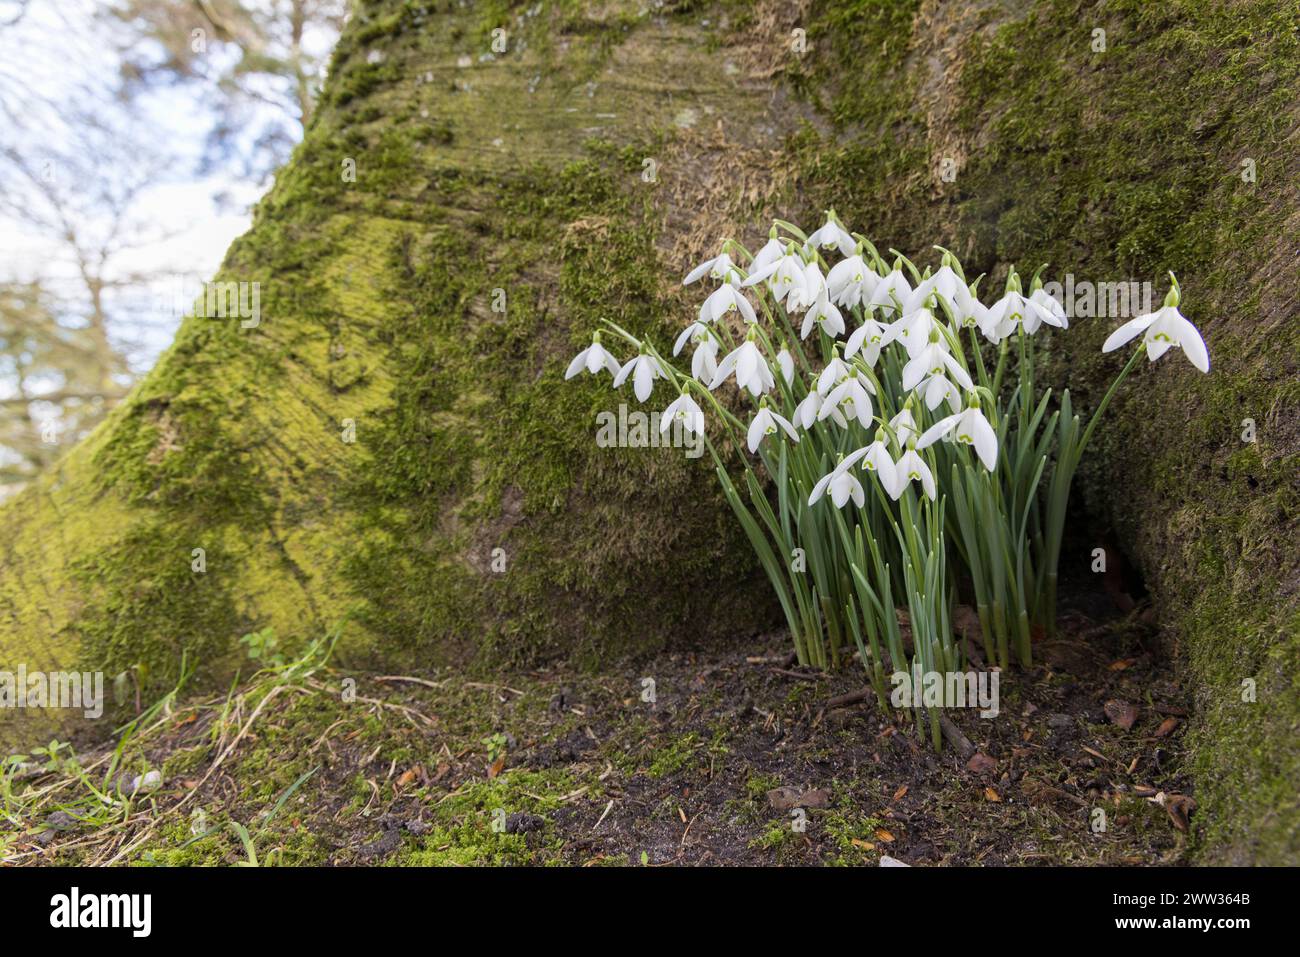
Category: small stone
<point>787,799</point>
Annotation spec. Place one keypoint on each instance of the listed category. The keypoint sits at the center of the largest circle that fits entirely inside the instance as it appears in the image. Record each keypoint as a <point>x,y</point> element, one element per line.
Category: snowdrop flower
<point>704,363</point>
<point>832,236</point>
<point>868,337</point>
<point>593,358</point>
<point>1165,328</point>
<point>807,411</point>
<point>726,298</point>
<point>851,281</point>
<point>842,484</point>
<point>892,287</point>
<point>936,389</point>
<point>644,370</point>
<point>812,290</point>
<point>719,267</point>
<point>783,275</point>
<point>751,369</point>
<point>685,409</point>
<point>934,360</point>
<point>950,286</point>
<point>1041,298</point>
<point>904,427</point>
<point>770,253</point>
<point>823,313</point>
<point>696,332</point>
<point>836,371</point>
<point>970,428</point>
<point>765,424</point>
<point>785,362</point>
<point>914,330</point>
<point>909,468</point>
<point>852,398</point>
<point>1013,310</point>
<point>875,458</point>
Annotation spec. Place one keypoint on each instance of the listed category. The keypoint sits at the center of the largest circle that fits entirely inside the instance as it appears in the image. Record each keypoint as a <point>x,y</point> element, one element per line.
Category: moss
<point>143,586</point>
<point>472,823</point>
<point>675,757</point>
<point>376,295</point>
<point>1112,165</point>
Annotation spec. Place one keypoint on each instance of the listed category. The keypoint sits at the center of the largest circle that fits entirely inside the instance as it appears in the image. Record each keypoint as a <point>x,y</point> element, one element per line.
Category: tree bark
<point>396,415</point>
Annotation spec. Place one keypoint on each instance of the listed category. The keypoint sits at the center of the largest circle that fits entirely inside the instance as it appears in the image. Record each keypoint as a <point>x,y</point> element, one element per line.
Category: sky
<point>61,49</point>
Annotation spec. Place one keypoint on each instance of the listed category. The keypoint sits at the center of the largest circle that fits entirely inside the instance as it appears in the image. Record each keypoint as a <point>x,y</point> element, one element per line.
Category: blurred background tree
<point>259,67</point>
<point>134,136</point>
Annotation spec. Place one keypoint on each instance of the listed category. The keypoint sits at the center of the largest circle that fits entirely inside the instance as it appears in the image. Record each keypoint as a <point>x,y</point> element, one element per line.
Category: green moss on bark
<point>366,445</point>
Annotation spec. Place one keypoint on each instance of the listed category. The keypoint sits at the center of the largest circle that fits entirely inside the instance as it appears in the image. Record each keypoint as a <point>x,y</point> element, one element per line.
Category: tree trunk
<point>395,414</point>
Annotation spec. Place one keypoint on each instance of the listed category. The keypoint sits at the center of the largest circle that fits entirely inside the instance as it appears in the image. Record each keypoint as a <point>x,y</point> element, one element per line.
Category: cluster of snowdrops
<point>898,419</point>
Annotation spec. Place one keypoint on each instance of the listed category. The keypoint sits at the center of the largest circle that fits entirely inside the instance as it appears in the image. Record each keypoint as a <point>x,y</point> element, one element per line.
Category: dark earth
<point>742,758</point>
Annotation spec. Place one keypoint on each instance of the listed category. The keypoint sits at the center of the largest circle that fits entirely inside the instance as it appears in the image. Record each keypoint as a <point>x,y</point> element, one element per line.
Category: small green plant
<point>496,746</point>
<point>53,755</point>
<point>245,839</point>
<point>264,648</point>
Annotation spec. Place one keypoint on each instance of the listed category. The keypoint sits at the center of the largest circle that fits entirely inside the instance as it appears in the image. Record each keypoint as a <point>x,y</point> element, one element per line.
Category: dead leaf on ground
<point>409,775</point>
<point>981,762</point>
<point>1122,713</point>
<point>1180,808</point>
<point>883,835</point>
<point>898,795</point>
<point>1166,727</point>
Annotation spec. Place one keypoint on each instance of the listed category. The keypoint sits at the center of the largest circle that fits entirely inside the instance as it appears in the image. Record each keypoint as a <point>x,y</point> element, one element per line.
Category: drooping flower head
<point>891,292</point>
<point>686,410</point>
<point>1014,311</point>
<point>643,369</point>
<point>851,281</point>
<point>720,267</point>
<point>868,338</point>
<point>852,398</point>
<point>766,423</point>
<point>726,298</point>
<point>784,275</point>
<point>969,428</point>
<point>832,236</point>
<point>842,484</point>
<point>593,358</point>
<point>912,468</point>
<point>1165,329</point>
<point>750,368</point>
